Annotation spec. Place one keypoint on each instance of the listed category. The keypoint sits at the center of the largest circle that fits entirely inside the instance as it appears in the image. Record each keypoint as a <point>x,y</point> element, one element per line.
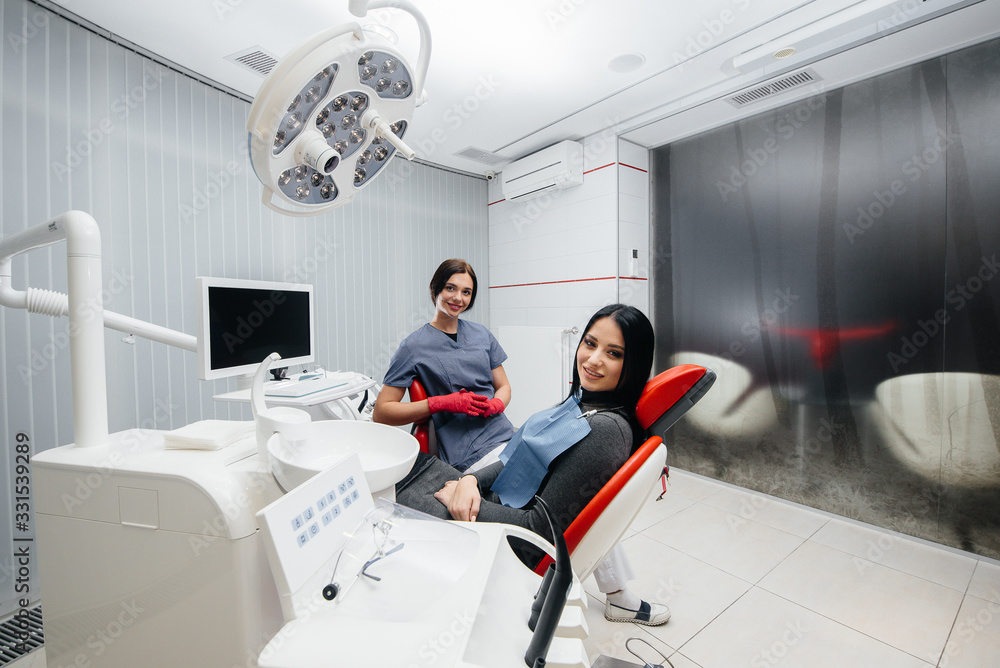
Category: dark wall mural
<point>836,262</point>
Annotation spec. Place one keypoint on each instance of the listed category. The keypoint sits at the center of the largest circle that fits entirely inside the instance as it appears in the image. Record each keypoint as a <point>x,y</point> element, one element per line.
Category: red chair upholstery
<point>603,521</point>
<point>423,430</point>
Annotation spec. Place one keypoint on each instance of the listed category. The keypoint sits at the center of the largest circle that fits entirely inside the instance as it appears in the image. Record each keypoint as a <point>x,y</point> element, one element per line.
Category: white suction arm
<point>56,304</point>
<point>86,326</point>
<point>257,404</point>
<point>360,8</point>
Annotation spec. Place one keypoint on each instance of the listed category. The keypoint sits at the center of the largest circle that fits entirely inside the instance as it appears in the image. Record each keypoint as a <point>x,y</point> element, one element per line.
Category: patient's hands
<point>461,497</point>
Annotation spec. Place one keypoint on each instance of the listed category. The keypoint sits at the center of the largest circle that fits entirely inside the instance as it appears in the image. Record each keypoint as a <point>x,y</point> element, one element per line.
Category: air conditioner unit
<point>554,168</point>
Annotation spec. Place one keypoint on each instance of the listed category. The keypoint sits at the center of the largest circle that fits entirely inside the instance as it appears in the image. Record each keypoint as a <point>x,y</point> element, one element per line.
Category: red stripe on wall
<point>633,278</point>
<point>573,280</point>
<point>497,202</point>
<point>601,167</point>
<point>638,169</point>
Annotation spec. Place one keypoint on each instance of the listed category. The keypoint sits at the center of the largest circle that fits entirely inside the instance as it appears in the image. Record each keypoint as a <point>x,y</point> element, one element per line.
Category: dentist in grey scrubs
<point>460,365</point>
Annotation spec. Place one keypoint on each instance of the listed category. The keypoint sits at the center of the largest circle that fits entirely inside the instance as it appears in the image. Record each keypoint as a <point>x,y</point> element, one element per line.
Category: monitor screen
<point>240,322</point>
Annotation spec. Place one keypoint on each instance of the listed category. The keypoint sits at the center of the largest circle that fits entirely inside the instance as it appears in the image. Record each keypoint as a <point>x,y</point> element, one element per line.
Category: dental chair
<point>603,521</point>
<point>423,430</point>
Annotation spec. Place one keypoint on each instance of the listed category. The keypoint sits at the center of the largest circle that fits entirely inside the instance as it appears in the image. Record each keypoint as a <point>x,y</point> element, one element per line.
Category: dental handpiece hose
<point>555,598</point>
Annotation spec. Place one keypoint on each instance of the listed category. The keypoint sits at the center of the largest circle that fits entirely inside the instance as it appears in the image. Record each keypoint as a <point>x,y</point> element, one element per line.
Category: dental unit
<point>218,544</point>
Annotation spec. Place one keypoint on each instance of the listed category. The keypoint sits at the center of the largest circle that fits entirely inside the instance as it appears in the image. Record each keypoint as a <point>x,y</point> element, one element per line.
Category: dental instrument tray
<point>399,554</point>
<point>303,387</point>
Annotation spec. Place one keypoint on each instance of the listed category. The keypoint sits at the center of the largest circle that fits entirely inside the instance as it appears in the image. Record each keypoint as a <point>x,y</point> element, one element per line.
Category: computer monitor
<point>240,322</point>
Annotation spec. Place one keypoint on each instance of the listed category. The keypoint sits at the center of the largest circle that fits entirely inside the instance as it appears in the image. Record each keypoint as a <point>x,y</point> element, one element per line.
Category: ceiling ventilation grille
<point>255,59</point>
<point>771,88</point>
<point>481,156</point>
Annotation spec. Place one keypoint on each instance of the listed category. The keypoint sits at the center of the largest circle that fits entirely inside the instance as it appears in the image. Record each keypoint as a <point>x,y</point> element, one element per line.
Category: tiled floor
<point>756,581</point>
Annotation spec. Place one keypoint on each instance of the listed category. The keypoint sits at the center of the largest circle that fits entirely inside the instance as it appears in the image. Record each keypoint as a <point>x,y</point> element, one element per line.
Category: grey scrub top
<point>444,366</point>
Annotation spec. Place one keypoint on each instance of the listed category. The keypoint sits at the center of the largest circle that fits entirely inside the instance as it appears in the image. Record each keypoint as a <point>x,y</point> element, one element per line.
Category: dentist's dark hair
<point>446,270</point>
<point>637,334</point>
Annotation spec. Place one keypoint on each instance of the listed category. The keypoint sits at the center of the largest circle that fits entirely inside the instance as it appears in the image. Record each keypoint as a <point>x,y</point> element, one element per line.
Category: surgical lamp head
<point>333,113</point>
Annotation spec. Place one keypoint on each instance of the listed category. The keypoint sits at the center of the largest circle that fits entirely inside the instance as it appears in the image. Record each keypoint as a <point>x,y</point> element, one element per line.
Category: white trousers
<point>615,571</point>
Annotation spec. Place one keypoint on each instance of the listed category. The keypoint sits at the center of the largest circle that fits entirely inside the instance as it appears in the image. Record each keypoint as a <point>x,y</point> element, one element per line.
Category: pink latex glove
<point>493,406</point>
<point>462,401</point>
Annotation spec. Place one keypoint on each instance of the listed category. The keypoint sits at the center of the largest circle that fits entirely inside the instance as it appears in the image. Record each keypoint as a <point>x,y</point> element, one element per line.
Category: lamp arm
<point>360,8</point>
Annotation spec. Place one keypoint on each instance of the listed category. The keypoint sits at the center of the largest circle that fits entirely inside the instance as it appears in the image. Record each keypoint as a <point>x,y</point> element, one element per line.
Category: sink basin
<point>386,453</point>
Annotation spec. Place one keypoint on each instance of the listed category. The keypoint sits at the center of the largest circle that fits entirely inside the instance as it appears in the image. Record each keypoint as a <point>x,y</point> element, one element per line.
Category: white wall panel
<point>159,159</point>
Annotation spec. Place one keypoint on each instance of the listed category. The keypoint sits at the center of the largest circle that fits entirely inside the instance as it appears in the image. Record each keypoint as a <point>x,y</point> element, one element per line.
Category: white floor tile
<point>763,630</point>
<point>695,591</point>
<point>986,582</point>
<point>744,548</point>
<point>680,661</point>
<point>899,552</point>
<point>768,510</point>
<point>902,610</point>
<point>975,640</point>
<point>654,511</point>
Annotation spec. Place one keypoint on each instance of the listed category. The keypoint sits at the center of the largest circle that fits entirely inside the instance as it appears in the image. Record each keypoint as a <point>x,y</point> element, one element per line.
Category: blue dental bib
<point>545,436</point>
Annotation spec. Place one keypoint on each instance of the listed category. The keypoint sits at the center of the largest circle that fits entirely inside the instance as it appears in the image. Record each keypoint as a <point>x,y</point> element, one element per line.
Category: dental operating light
<point>333,112</point>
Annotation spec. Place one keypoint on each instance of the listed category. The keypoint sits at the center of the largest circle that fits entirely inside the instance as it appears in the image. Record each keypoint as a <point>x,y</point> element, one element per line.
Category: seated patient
<point>584,441</point>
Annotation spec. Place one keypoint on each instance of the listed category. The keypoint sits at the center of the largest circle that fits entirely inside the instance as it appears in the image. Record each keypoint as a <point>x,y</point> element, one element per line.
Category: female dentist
<point>460,364</point>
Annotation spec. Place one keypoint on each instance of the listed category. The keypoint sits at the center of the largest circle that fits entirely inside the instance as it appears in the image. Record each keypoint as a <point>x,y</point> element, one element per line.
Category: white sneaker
<point>648,614</point>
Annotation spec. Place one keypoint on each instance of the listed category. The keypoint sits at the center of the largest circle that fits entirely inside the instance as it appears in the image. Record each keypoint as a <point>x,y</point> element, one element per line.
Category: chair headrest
<point>663,392</point>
